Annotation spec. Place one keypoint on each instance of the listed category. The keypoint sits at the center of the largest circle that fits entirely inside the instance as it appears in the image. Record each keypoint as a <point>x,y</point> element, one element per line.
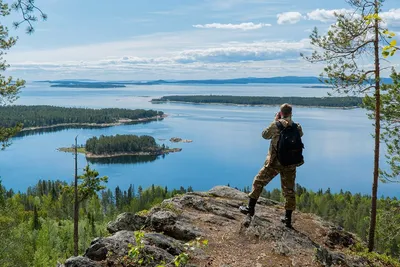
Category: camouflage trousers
<point>288,176</point>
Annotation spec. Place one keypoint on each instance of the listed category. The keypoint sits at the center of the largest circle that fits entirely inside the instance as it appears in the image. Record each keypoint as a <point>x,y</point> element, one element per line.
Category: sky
<point>174,39</point>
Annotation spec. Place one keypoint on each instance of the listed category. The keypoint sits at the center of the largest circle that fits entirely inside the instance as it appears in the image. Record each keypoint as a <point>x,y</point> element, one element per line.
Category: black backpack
<point>290,147</point>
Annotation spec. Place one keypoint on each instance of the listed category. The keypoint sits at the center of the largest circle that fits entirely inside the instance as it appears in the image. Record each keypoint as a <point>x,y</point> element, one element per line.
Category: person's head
<point>286,110</point>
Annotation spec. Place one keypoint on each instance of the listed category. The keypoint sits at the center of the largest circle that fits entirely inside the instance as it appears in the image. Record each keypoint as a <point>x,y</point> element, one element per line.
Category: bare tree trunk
<point>371,238</point>
<point>76,204</point>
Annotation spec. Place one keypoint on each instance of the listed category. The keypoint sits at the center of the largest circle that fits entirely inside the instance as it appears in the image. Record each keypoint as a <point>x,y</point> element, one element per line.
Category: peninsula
<point>42,117</point>
<point>331,102</point>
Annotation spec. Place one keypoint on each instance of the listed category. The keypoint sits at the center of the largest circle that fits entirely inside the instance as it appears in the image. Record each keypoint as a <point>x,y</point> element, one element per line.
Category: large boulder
<point>167,222</point>
<point>127,221</point>
<point>160,219</point>
<point>182,231</point>
<point>117,244</point>
<point>171,245</point>
<point>159,246</point>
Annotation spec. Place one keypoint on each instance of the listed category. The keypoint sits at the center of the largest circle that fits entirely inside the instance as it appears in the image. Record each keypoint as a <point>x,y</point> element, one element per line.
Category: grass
<point>72,150</point>
<point>375,258</point>
<point>171,207</point>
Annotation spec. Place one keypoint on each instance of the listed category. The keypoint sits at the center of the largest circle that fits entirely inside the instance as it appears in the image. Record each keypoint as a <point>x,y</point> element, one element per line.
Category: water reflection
<point>62,128</point>
<point>124,160</point>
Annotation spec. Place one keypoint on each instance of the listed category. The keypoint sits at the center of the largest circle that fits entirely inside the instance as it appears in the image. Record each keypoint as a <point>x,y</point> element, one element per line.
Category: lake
<point>227,146</point>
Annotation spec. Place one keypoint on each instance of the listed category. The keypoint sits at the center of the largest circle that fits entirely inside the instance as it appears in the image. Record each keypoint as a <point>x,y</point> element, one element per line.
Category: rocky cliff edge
<point>214,216</point>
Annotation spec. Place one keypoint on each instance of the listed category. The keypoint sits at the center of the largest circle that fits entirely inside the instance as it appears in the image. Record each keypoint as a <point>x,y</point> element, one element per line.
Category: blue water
<point>227,145</point>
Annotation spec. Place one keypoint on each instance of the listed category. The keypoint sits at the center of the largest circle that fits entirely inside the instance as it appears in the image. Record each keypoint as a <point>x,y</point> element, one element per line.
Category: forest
<point>36,226</point>
<point>334,102</point>
<point>351,212</point>
<point>122,144</point>
<point>41,116</point>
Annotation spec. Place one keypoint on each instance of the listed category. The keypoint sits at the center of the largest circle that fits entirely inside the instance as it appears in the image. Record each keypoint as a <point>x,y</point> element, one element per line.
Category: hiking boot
<point>249,209</point>
<point>287,219</point>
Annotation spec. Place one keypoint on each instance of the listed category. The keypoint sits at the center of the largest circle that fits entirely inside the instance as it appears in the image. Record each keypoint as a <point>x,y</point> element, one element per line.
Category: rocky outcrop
<point>127,221</point>
<point>80,262</point>
<point>179,140</point>
<point>234,239</point>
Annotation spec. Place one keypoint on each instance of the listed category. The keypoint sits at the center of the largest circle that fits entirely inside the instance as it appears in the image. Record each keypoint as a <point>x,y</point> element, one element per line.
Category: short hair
<point>286,109</point>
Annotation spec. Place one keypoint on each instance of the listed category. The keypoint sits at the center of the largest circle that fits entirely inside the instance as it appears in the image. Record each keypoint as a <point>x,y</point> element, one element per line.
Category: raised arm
<point>269,132</point>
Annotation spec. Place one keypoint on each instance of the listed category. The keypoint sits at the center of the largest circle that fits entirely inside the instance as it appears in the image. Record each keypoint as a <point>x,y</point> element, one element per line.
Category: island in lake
<point>249,80</point>
<point>77,84</point>
<point>42,117</point>
<point>121,145</point>
<point>332,102</point>
<point>180,140</point>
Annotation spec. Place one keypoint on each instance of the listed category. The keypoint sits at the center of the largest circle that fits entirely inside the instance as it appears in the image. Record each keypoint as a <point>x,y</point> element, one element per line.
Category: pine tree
<point>9,88</point>
<point>90,184</point>
<point>35,221</point>
<point>118,197</point>
<point>354,37</point>
<point>390,111</point>
<point>130,193</point>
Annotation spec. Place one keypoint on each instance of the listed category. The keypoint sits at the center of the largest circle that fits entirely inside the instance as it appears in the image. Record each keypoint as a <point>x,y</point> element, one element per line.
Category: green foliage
<point>43,116</point>
<point>375,258</point>
<point>347,43</point>
<point>6,133</point>
<point>122,144</point>
<point>45,237</point>
<point>354,38</point>
<point>351,211</point>
<point>267,100</point>
<point>171,207</point>
<point>89,184</point>
<point>9,88</point>
<point>28,9</point>
<point>390,49</point>
<point>183,258</point>
<point>390,110</point>
<point>138,256</point>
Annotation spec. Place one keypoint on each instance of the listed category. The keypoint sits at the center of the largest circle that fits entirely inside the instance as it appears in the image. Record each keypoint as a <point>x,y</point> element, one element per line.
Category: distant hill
<point>250,80</point>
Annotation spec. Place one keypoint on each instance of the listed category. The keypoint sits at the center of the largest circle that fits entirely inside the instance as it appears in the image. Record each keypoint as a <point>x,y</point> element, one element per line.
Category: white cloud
<point>326,15</point>
<point>289,17</point>
<point>196,70</point>
<point>228,60</point>
<point>392,17</point>
<point>239,52</point>
<point>225,53</point>
<point>242,26</point>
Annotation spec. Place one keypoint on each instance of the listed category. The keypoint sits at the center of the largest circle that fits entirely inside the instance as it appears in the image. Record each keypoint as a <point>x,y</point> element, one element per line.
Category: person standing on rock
<point>284,156</point>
